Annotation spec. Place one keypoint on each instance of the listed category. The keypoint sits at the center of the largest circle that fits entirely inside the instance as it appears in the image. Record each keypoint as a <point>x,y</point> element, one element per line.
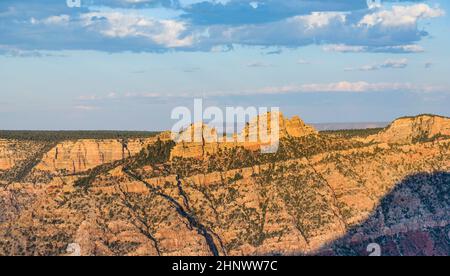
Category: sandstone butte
<point>409,129</point>
<point>294,127</point>
<point>81,155</point>
<point>334,197</point>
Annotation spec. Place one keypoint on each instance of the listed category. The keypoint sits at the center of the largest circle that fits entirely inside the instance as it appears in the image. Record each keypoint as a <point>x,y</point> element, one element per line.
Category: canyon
<point>321,193</point>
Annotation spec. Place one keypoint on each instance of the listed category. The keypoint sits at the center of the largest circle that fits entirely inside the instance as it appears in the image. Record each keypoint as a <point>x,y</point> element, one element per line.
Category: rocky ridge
<point>210,142</point>
<point>82,155</point>
<point>413,129</point>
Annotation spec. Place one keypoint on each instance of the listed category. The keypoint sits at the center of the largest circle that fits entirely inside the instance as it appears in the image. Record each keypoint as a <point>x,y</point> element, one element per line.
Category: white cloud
<point>400,16</point>
<point>167,33</point>
<point>394,63</point>
<point>142,95</point>
<point>131,25</point>
<point>85,107</point>
<point>113,96</point>
<point>258,64</point>
<point>347,27</point>
<point>389,30</point>
<point>334,87</point>
<point>57,20</point>
<point>254,4</point>
<point>342,48</point>
<point>321,19</point>
<point>412,48</point>
<point>12,51</point>
<point>303,62</point>
<point>345,86</point>
<point>387,64</point>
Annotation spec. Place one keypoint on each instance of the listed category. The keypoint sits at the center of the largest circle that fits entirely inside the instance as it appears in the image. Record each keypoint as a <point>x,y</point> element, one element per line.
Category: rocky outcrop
<point>7,155</point>
<point>199,140</point>
<point>12,152</point>
<point>82,155</point>
<point>413,129</point>
<point>196,141</point>
<point>196,133</point>
<point>293,127</point>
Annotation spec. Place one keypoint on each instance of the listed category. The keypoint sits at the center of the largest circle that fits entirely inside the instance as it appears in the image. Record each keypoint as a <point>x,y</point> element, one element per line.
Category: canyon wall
<point>82,155</point>
<point>411,129</point>
<point>14,152</point>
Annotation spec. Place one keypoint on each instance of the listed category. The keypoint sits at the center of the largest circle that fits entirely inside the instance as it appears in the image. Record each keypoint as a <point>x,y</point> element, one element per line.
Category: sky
<point>125,64</point>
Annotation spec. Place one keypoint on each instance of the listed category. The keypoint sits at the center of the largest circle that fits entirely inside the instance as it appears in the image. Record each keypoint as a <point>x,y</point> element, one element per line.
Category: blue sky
<point>124,64</point>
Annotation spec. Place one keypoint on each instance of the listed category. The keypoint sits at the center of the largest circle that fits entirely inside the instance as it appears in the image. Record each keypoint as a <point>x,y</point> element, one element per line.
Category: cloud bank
<point>195,25</point>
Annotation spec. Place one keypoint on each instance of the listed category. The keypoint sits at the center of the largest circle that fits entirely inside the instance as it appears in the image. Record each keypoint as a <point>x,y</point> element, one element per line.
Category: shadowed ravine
<point>413,219</point>
<point>20,172</point>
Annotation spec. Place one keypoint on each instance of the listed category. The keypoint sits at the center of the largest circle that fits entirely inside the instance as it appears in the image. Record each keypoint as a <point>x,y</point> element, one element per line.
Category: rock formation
<point>252,136</point>
<point>82,155</point>
<point>7,155</point>
<point>196,141</point>
<point>294,127</point>
<point>413,129</point>
<point>12,152</point>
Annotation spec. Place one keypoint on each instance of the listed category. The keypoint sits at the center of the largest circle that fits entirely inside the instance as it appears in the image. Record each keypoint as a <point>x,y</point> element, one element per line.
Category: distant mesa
<point>413,129</point>
<point>199,139</point>
<point>349,126</point>
<point>293,127</point>
<point>404,130</point>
